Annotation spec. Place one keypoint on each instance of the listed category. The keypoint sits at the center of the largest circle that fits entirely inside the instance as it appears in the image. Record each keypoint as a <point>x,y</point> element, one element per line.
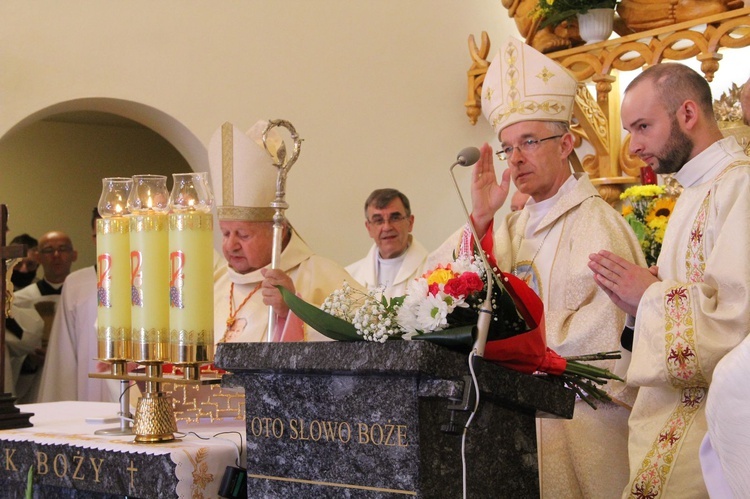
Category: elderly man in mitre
<point>244,179</point>
<point>528,99</point>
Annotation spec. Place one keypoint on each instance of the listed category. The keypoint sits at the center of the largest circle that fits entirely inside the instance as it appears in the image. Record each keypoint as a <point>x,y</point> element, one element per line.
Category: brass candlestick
<point>154,415</point>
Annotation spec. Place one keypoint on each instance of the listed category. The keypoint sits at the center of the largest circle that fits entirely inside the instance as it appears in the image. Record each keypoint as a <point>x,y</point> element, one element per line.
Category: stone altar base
<point>335,419</point>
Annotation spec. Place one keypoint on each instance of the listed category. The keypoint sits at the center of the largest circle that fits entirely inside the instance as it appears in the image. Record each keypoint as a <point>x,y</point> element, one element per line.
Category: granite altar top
<point>417,359</point>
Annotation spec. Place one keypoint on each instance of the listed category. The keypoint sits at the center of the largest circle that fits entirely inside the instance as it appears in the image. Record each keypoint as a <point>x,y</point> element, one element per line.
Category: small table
<point>70,460</point>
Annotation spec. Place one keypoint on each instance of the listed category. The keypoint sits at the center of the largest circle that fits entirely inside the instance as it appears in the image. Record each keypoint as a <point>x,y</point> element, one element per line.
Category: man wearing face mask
<point>396,257</point>
<point>23,335</point>
<point>24,273</point>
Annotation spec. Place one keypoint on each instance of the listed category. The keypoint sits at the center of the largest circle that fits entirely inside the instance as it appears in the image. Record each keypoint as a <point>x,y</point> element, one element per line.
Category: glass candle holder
<point>113,201</point>
<point>190,192</point>
<point>149,268</point>
<point>113,267</point>
<point>149,194</point>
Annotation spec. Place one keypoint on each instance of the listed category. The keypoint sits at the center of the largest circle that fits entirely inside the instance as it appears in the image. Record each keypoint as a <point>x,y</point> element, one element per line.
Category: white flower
<point>432,314</point>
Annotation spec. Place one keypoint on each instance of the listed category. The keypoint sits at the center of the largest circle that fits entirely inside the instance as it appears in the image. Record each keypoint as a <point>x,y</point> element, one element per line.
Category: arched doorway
<point>52,162</point>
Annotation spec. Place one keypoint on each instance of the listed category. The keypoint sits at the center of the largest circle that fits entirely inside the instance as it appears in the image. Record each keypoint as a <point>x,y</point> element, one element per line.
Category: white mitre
<point>243,172</point>
<point>522,84</point>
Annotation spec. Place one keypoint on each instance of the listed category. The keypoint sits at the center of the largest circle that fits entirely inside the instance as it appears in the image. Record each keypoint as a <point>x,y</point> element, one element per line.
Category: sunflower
<point>661,207</point>
<point>627,210</point>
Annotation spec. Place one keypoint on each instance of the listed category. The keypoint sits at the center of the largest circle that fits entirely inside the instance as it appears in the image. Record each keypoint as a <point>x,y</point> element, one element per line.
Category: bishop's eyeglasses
<point>526,146</point>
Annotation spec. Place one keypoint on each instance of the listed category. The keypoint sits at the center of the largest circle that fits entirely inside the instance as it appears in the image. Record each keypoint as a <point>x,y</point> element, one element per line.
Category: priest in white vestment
<point>395,258</point>
<point>23,336</point>
<point>695,309</point>
<point>244,181</point>
<point>528,100</point>
<point>72,350</point>
<point>726,446</point>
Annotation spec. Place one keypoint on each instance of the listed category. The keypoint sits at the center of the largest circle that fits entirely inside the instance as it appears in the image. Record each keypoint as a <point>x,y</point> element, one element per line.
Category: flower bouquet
<point>647,209</point>
<point>442,306</point>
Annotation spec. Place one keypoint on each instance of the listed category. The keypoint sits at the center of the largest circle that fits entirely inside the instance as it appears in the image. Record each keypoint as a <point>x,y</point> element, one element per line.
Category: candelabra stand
<point>155,291</point>
<point>154,420</point>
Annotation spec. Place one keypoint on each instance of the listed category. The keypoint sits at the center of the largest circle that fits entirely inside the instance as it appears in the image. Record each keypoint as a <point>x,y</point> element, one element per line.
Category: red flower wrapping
<point>526,352</point>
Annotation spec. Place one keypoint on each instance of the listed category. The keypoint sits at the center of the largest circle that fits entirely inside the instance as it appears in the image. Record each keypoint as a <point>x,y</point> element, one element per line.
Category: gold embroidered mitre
<point>522,84</point>
<point>243,174</point>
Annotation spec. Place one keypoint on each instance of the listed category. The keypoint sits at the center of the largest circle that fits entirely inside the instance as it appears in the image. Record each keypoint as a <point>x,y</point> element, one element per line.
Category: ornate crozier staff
<point>279,204</point>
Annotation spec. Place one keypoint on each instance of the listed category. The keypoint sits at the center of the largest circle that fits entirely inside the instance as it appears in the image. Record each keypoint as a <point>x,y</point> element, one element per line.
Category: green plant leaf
<point>323,322</point>
<point>30,483</point>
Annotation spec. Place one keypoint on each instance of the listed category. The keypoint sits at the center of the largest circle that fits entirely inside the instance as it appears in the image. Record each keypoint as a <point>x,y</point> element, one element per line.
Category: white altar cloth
<point>200,464</point>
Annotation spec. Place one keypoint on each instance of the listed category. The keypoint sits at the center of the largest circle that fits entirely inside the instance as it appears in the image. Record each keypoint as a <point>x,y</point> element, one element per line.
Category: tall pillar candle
<point>113,290</point>
<point>191,317</point>
<point>149,285</point>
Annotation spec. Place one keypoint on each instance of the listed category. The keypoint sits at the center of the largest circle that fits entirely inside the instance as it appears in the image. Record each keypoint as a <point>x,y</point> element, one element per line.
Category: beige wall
<point>375,89</point>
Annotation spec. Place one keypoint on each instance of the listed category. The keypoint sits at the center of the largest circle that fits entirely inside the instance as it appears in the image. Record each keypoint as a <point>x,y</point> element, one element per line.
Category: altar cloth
<point>66,453</point>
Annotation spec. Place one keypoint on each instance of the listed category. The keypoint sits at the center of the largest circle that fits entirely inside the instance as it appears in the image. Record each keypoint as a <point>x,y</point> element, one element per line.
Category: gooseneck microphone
<point>467,157</point>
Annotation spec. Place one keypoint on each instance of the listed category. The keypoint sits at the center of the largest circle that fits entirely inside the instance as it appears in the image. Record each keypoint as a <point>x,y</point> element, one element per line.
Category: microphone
<point>467,157</point>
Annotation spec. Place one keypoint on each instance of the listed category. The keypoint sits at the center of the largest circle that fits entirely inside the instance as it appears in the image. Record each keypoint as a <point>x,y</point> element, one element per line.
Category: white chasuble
<point>580,319</point>
<point>688,321</point>
<point>314,278</point>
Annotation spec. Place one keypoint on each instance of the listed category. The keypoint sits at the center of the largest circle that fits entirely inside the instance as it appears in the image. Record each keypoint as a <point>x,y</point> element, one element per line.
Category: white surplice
<point>365,271</point>
<point>72,350</point>
<point>726,446</point>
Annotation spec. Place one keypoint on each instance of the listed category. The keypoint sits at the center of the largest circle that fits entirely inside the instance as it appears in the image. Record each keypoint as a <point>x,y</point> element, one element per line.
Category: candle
<point>113,266</point>
<point>648,177</point>
<point>191,270</point>
<point>149,284</point>
<point>149,273</point>
<point>113,312</point>
<point>191,287</point>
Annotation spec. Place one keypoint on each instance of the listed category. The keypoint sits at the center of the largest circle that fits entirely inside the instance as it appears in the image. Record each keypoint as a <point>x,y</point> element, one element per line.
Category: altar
<point>67,458</point>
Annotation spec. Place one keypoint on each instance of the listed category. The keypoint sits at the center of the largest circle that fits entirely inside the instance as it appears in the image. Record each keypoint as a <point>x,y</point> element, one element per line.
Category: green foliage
<point>554,12</point>
<point>30,483</point>
<point>332,327</point>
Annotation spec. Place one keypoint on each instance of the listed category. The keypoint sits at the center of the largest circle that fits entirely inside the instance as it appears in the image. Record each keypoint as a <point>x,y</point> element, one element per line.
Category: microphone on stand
<point>467,157</point>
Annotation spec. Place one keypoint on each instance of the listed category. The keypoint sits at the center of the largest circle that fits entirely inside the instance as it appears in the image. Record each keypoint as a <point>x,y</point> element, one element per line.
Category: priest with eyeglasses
<point>528,100</point>
<point>395,258</point>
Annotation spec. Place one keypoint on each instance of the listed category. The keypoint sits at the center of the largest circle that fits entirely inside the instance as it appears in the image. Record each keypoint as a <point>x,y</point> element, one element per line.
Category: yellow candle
<point>149,285</point>
<point>191,315</point>
<point>113,290</point>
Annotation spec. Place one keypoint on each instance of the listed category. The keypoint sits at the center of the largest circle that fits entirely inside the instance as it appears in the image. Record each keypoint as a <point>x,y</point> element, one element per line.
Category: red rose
<point>464,285</point>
